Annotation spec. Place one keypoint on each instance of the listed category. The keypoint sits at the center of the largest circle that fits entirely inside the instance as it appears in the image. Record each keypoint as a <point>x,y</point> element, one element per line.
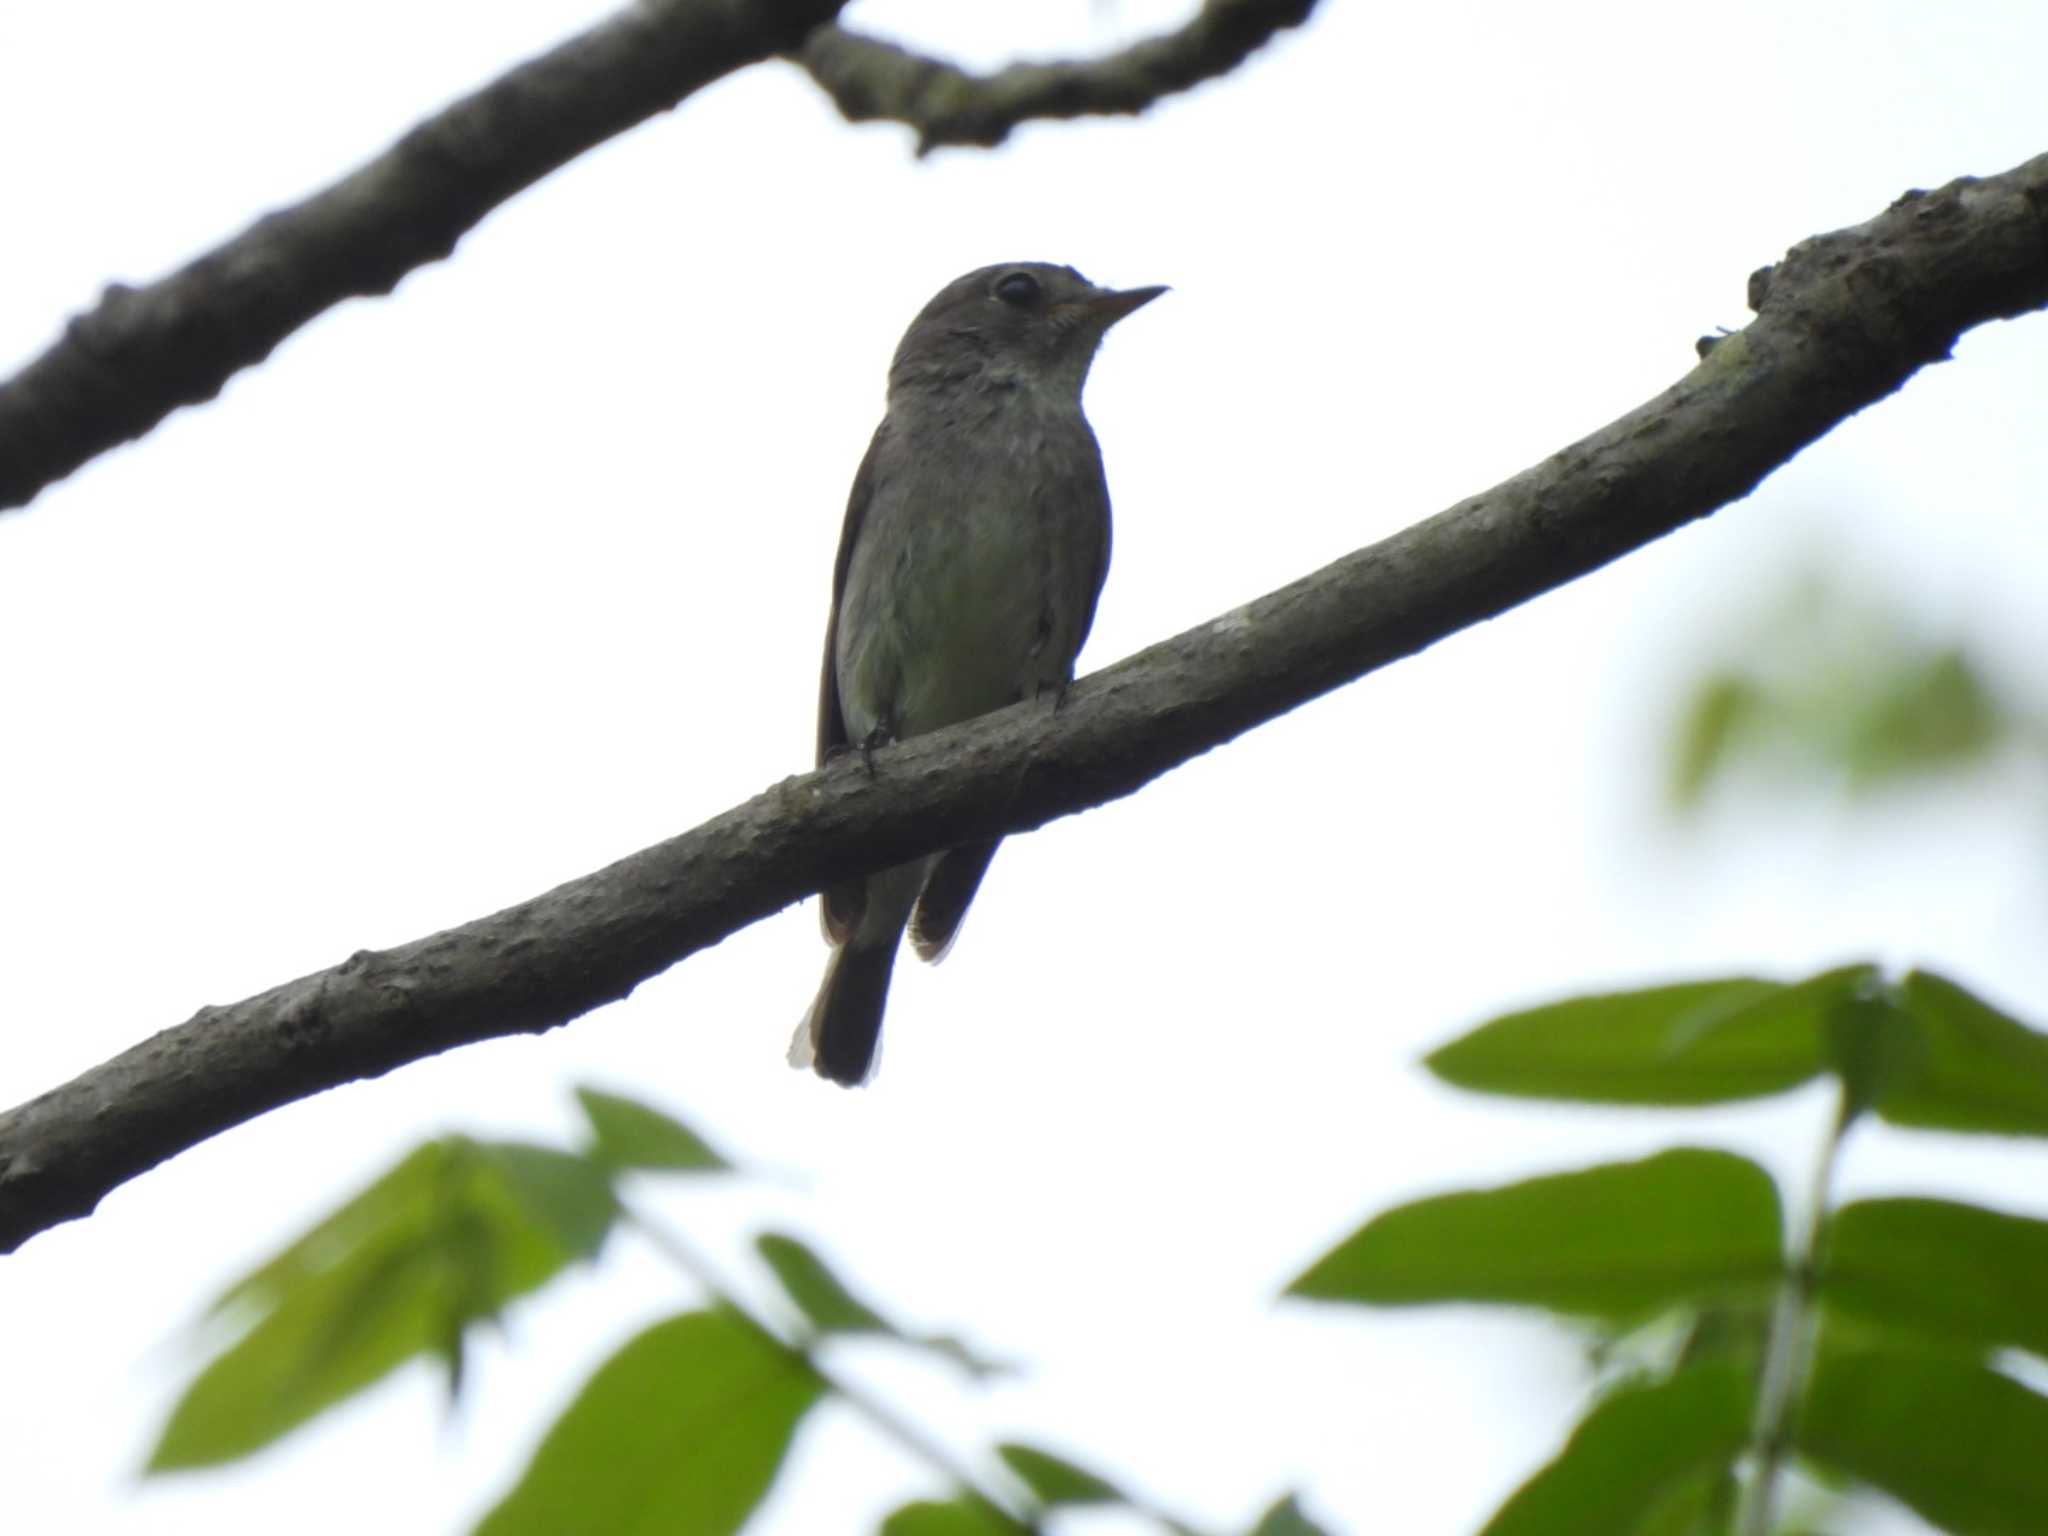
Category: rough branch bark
<point>125,365</point>
<point>140,353</point>
<point>870,79</point>
<point>1842,322</point>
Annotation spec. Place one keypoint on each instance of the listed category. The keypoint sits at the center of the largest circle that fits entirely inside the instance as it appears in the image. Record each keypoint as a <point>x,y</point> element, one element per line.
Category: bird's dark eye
<point>1018,288</point>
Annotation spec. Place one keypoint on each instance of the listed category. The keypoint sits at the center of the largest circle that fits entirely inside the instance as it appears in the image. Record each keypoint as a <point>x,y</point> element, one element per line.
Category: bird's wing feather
<point>842,904</point>
<point>831,719</point>
<point>1098,492</point>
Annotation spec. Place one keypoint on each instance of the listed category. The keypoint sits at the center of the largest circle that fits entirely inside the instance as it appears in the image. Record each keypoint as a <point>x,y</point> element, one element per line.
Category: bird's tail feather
<point>839,1036</point>
<point>955,877</point>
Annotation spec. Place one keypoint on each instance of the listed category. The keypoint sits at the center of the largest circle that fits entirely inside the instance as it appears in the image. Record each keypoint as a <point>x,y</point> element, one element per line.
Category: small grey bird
<point>975,544</point>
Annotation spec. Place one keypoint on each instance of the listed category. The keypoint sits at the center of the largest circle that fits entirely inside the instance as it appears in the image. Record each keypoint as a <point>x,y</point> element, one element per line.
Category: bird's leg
<point>880,736</point>
<point>1058,688</point>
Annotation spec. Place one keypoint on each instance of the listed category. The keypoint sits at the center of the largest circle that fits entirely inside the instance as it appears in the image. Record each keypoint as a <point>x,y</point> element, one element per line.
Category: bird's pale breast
<point>976,572</point>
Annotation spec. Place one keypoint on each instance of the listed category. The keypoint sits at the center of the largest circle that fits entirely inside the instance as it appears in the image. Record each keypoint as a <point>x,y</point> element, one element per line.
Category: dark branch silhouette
<point>1842,322</point>
<point>140,353</point>
<point>119,369</point>
<point>871,79</point>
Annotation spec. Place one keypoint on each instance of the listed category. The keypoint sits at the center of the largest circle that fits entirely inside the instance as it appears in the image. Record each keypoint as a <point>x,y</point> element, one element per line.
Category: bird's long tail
<point>840,1035</point>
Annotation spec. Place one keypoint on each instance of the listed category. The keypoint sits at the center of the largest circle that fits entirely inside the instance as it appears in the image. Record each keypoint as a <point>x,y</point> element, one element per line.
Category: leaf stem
<point>1788,1350</point>
<point>803,1342</point>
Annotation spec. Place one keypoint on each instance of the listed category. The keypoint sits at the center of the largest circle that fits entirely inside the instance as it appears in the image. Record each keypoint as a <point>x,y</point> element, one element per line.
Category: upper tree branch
<point>872,79</point>
<point>123,366</point>
<point>138,355</point>
<point>1842,322</point>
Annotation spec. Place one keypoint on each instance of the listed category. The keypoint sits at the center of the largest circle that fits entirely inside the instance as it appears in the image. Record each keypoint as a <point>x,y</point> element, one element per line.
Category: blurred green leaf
<point>1979,1069</point>
<point>955,1517</point>
<point>1701,1505</point>
<point>1055,1480</point>
<point>681,1433</point>
<point>1640,1456</point>
<point>832,1308</point>
<point>1835,685</point>
<point>818,1293</point>
<point>1960,1444</point>
<point>1926,713</point>
<point>630,1134</point>
<point>1702,1042</point>
<point>567,1195</point>
<point>1724,1333</point>
<point>1955,1271</point>
<point>1286,1519</point>
<point>1874,1045</point>
<point>1724,706</point>
<point>438,1244</point>
<point>1616,1241</point>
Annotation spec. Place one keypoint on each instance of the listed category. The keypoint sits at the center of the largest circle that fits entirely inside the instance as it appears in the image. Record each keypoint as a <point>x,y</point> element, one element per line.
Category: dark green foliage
<point>1979,1069</point>
<point>955,1517</point>
<point>1646,1459</point>
<point>1914,1296</point>
<point>1943,1269</point>
<point>1684,1226</point>
<point>1703,1042</point>
<point>1963,1445</point>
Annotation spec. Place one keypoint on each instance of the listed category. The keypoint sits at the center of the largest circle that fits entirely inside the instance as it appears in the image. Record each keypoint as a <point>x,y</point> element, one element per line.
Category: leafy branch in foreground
<point>684,1429</point>
<point>1866,1347</point>
<point>1863,1349</point>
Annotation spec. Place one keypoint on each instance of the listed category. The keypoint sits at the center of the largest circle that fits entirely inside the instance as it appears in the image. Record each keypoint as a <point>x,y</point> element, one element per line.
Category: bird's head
<point>1023,324</point>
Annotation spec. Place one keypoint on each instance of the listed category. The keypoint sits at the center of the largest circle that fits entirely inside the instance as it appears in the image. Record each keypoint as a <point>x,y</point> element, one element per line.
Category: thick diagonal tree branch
<point>871,79</point>
<point>125,365</point>
<point>1843,322</point>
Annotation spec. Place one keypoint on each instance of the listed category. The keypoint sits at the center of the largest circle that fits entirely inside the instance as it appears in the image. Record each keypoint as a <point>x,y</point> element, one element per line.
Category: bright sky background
<point>473,589</point>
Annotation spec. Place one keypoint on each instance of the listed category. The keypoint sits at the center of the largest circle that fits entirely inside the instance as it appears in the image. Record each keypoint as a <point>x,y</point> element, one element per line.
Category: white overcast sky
<point>475,588</point>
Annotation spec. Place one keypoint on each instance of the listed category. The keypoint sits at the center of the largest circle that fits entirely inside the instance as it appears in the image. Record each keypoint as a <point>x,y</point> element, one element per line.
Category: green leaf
<point>567,1195</point>
<point>1285,1518</point>
<point>1703,1042</point>
<point>1618,1241</point>
<point>1982,1070</point>
<point>1836,689</point>
<point>1723,708</point>
<point>1636,1456</point>
<point>1957,1272</point>
<point>1724,1333</point>
<point>438,1244</point>
<point>832,1308</point>
<point>630,1134</point>
<point>1057,1481</point>
<point>1930,712</point>
<point>956,1517</point>
<point>681,1433</point>
<point>1874,1045</point>
<point>818,1293</point>
<point>1703,1505</point>
<point>1960,1444</point>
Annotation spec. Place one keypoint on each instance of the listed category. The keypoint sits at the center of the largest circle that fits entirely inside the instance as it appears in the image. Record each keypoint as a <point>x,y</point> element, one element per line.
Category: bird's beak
<point>1111,304</point>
